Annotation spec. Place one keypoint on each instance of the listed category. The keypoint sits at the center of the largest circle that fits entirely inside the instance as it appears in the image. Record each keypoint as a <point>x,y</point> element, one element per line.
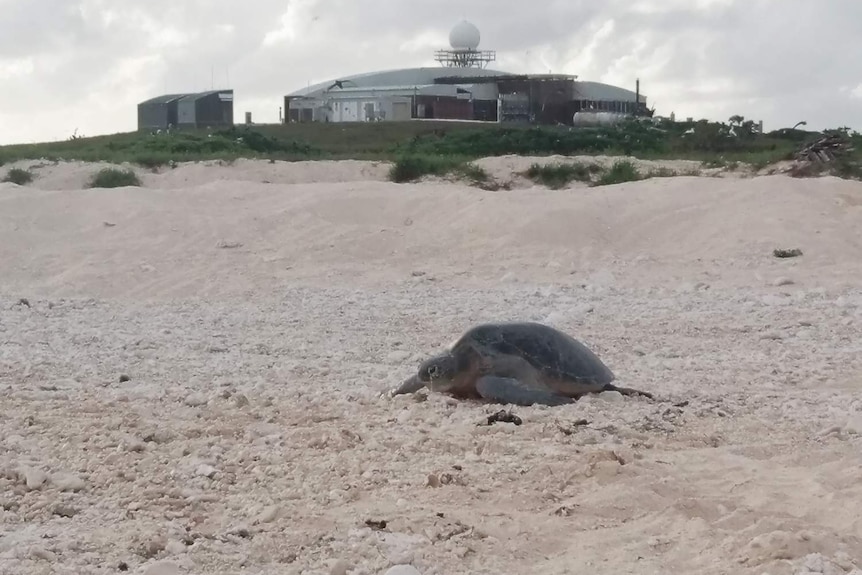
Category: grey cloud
<point>776,60</point>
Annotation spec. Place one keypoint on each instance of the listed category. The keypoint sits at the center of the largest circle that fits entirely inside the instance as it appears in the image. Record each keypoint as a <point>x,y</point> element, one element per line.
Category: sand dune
<point>259,310</point>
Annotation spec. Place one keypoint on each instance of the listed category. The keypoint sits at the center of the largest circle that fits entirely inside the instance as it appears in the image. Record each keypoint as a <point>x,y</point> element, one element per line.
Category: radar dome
<point>464,36</point>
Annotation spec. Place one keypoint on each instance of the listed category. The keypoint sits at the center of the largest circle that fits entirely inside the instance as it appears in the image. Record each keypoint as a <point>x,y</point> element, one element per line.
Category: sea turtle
<point>520,363</point>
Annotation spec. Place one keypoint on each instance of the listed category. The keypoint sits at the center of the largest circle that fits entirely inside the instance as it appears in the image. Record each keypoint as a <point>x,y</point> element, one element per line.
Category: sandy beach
<point>193,374</point>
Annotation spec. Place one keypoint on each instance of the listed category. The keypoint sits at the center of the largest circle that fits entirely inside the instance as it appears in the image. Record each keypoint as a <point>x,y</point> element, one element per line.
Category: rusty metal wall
<point>445,108</point>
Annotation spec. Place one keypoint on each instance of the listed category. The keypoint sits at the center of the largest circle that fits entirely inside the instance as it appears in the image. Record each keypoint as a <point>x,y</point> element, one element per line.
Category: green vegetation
<point>19,176</point>
<point>559,175</point>
<point>412,168</point>
<point>622,171</point>
<point>114,178</point>
<point>446,148</point>
<point>155,150</point>
<point>556,176</point>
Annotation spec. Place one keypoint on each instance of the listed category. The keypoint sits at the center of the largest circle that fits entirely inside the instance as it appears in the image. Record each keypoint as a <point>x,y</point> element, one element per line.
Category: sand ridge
<point>259,323</point>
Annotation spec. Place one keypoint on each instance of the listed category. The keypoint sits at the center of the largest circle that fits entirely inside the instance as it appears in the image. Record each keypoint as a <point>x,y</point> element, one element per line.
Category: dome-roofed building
<point>462,88</point>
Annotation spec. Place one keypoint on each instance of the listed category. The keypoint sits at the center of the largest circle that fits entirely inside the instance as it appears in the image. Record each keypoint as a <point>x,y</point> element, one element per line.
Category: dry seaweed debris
<point>783,253</point>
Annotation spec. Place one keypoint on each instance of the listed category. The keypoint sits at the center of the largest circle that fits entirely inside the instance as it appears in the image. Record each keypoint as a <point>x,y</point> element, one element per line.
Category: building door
<point>400,111</point>
<point>369,112</point>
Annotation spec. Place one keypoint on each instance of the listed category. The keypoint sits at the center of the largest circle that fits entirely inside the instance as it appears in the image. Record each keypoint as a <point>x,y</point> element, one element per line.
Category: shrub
<point>556,176</point>
<point>621,171</point>
<point>663,172</point>
<point>152,160</point>
<point>473,173</point>
<point>19,176</point>
<point>114,178</point>
<point>411,168</point>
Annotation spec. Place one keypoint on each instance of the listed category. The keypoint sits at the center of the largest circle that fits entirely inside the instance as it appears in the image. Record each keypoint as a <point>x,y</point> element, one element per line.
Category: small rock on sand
<point>269,514</point>
<point>340,567</point>
<point>612,396</point>
<point>204,470</point>
<point>402,570</point>
<point>68,482</point>
<point>34,478</point>
<point>162,568</point>
<point>196,400</point>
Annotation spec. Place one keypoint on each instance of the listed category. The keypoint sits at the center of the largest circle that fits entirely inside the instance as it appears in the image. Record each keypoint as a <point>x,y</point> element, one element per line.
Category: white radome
<point>464,36</point>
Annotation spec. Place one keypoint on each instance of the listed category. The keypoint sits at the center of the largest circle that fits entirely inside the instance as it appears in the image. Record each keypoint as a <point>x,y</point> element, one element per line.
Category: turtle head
<point>438,373</point>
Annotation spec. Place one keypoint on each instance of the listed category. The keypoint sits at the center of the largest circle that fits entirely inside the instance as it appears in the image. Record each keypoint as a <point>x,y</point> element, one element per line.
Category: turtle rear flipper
<point>514,391</point>
<point>409,385</point>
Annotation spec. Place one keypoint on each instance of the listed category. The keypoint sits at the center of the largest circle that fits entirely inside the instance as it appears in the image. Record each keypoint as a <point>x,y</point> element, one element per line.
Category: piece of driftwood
<point>825,149</point>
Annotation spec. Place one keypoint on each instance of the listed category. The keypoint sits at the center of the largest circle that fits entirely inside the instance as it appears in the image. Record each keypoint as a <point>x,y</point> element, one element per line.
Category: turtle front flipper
<point>510,390</point>
<point>627,390</point>
<point>409,385</point>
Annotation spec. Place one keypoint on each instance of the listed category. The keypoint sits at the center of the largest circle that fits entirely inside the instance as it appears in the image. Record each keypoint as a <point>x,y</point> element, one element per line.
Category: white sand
<point>259,322</point>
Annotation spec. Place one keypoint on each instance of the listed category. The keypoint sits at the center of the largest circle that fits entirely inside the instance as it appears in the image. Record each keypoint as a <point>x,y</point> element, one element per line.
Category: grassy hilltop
<point>428,147</point>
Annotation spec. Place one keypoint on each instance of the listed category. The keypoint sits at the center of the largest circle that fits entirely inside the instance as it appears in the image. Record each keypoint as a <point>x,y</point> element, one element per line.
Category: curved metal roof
<point>397,77</point>
<point>607,92</point>
<point>418,77</point>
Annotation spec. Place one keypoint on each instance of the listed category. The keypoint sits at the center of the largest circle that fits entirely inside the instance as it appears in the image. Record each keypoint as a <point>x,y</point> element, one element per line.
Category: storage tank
<point>584,119</point>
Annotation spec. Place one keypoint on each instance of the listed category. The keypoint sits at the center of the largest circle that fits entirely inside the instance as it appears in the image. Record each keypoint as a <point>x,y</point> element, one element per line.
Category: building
<point>213,108</point>
<point>462,88</point>
<point>159,112</point>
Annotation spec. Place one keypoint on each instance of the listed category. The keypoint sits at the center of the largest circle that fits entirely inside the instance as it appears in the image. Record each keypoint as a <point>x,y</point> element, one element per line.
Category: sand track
<point>258,324</point>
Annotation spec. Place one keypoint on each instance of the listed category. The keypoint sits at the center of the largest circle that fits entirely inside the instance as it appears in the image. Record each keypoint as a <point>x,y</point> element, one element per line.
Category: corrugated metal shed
<point>204,109</point>
<point>195,109</point>
<point>166,98</point>
<point>158,113</point>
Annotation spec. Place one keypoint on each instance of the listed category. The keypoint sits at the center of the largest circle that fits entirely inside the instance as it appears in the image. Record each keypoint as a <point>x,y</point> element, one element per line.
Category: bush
<point>476,143</point>
<point>152,160</point>
<point>473,173</point>
<point>114,178</point>
<point>663,172</point>
<point>556,176</point>
<point>621,171</point>
<point>19,176</point>
<point>411,168</point>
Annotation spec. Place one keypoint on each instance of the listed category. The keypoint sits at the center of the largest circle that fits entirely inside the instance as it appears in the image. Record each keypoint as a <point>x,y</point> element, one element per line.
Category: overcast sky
<point>68,65</point>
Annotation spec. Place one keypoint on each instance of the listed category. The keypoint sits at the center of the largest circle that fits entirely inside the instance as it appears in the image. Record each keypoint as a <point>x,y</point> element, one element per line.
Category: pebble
<point>854,425</point>
<point>162,568</point>
<point>205,470</point>
<point>817,563</point>
<point>400,556</point>
<point>404,416</point>
<point>68,482</point>
<point>133,445</point>
<point>782,281</point>
<point>340,567</point>
<point>398,357</point>
<point>611,396</point>
<point>42,553</point>
<point>196,400</point>
<point>34,478</point>
<point>402,570</point>
<point>65,511</point>
<point>176,547</point>
<point>269,514</point>
<point>775,300</point>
